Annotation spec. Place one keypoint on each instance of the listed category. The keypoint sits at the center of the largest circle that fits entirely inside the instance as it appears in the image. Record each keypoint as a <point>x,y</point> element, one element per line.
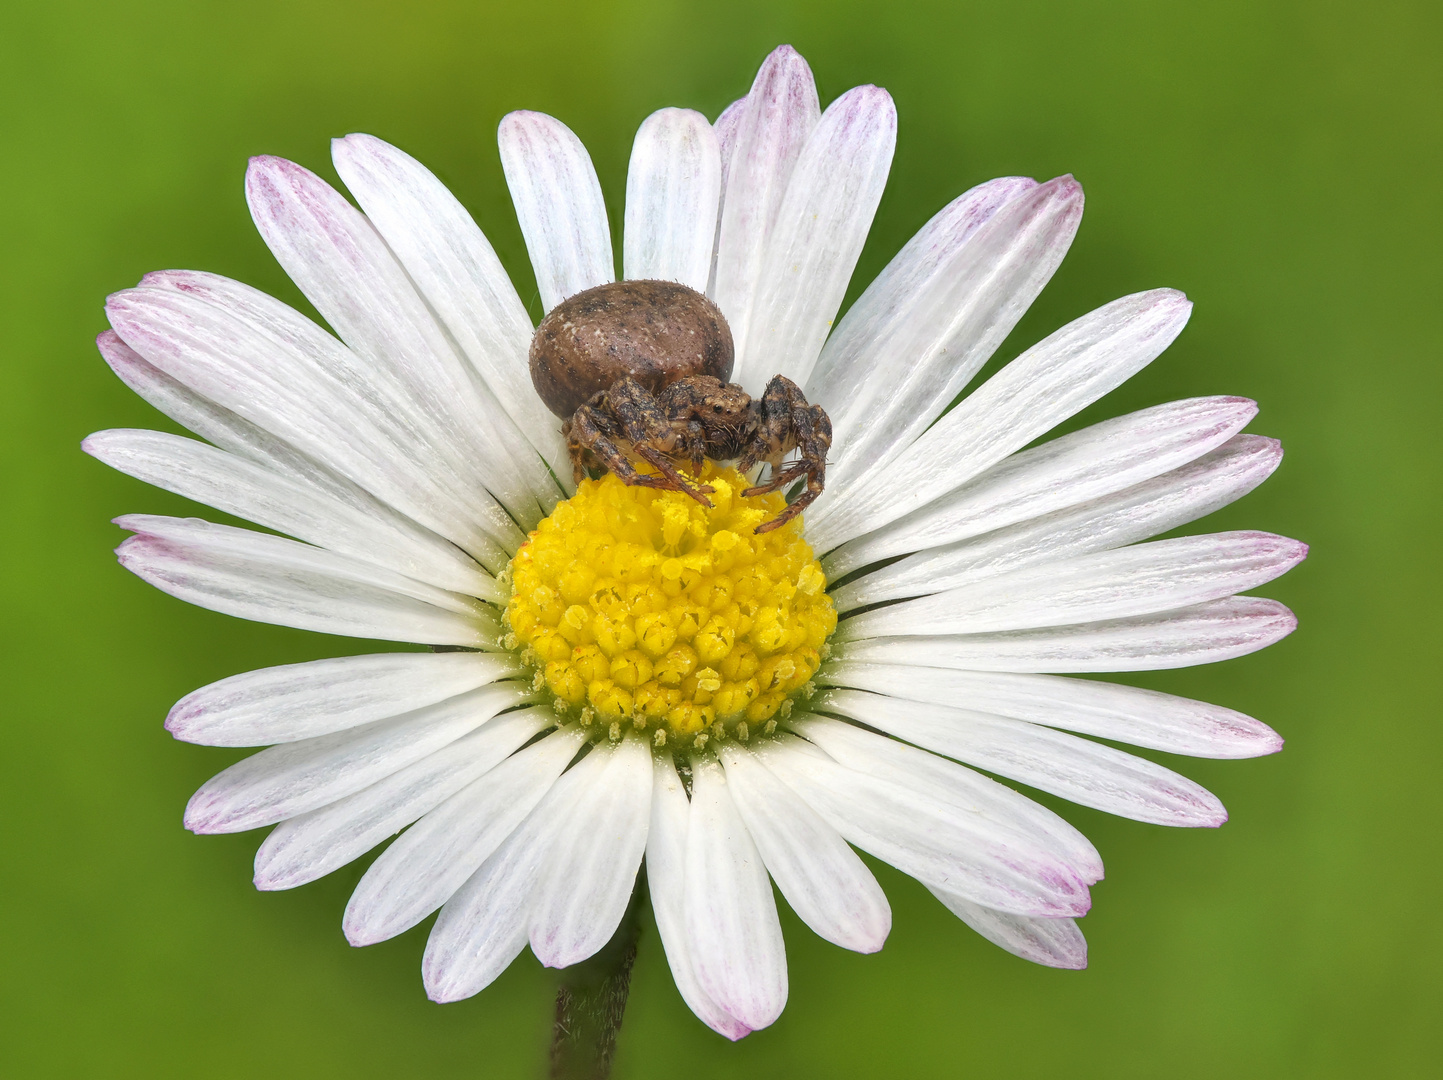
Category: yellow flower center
<point>643,609</point>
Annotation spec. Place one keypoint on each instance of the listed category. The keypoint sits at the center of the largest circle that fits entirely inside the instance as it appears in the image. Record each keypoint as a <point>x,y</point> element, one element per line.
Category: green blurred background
<point>1278,161</point>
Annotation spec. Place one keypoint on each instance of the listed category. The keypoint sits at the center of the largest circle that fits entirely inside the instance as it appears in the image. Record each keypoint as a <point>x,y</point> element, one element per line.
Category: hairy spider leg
<point>627,411</point>
<point>674,405</point>
<point>591,431</point>
<point>788,422</point>
<point>647,425</point>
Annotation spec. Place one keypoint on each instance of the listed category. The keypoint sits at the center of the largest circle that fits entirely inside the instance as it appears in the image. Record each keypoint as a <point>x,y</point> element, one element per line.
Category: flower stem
<point>592,998</point>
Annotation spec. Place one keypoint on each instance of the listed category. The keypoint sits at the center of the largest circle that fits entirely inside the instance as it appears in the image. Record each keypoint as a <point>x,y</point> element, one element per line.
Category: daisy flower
<point>622,674</point>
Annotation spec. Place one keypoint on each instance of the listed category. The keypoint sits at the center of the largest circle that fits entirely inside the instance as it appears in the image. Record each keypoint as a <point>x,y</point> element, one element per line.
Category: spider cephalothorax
<point>639,369</point>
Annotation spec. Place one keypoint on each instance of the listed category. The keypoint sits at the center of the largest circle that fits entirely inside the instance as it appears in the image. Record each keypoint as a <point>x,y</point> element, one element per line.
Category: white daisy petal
<point>831,889</point>
<point>941,308</point>
<point>1117,584</point>
<point>456,270</point>
<point>728,123</point>
<point>931,841</point>
<point>666,882</point>
<point>1202,634</point>
<point>1121,713</point>
<point>270,579</point>
<point>726,127</point>
<point>1054,942</point>
<point>295,777</point>
<point>299,701</point>
<point>1136,513</point>
<point>483,927</point>
<point>210,421</point>
<point>465,963</point>
<point>311,845</point>
<point>1075,468</point>
<point>980,799</point>
<point>558,204</point>
<point>434,857</point>
<point>244,439</point>
<point>731,917</point>
<point>935,314</point>
<point>1041,388</point>
<point>583,891</point>
<point>780,112</point>
<point>672,187</point>
<point>1079,770</point>
<point>275,362</point>
<point>356,526</point>
<point>252,355</point>
<point>346,270</point>
<point>817,238</point>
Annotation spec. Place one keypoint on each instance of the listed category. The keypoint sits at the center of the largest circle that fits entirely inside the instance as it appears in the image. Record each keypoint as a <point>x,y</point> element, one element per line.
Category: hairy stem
<point>592,998</point>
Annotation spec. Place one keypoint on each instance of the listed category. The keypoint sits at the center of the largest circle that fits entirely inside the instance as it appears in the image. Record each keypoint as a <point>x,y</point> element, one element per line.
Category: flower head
<point>630,673</point>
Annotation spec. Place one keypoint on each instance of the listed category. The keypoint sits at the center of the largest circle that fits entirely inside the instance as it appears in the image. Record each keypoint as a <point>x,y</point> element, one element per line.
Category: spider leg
<point>575,449</point>
<point>590,430</point>
<point>642,422</point>
<point>675,481</point>
<point>788,422</point>
<point>771,443</point>
<point>814,488</point>
<point>695,439</point>
<point>780,478</point>
<point>590,436</point>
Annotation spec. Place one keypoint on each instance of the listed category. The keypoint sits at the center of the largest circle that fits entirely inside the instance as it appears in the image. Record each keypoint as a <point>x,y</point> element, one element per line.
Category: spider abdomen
<point>656,332</point>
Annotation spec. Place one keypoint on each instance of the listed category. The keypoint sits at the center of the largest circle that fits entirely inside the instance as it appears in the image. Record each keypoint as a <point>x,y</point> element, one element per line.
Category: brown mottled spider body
<point>639,368</point>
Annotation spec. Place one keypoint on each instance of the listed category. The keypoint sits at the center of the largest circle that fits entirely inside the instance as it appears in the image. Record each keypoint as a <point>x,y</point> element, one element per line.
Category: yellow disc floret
<point>643,608</point>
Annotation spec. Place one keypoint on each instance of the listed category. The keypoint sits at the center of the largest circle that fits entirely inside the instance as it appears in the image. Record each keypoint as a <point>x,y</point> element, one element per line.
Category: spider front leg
<point>787,422</point>
<point>590,431</point>
<point>673,480</point>
<point>693,438</point>
<point>627,412</point>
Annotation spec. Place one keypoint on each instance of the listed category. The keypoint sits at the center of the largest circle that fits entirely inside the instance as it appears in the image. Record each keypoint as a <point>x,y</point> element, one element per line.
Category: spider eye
<point>716,408</point>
